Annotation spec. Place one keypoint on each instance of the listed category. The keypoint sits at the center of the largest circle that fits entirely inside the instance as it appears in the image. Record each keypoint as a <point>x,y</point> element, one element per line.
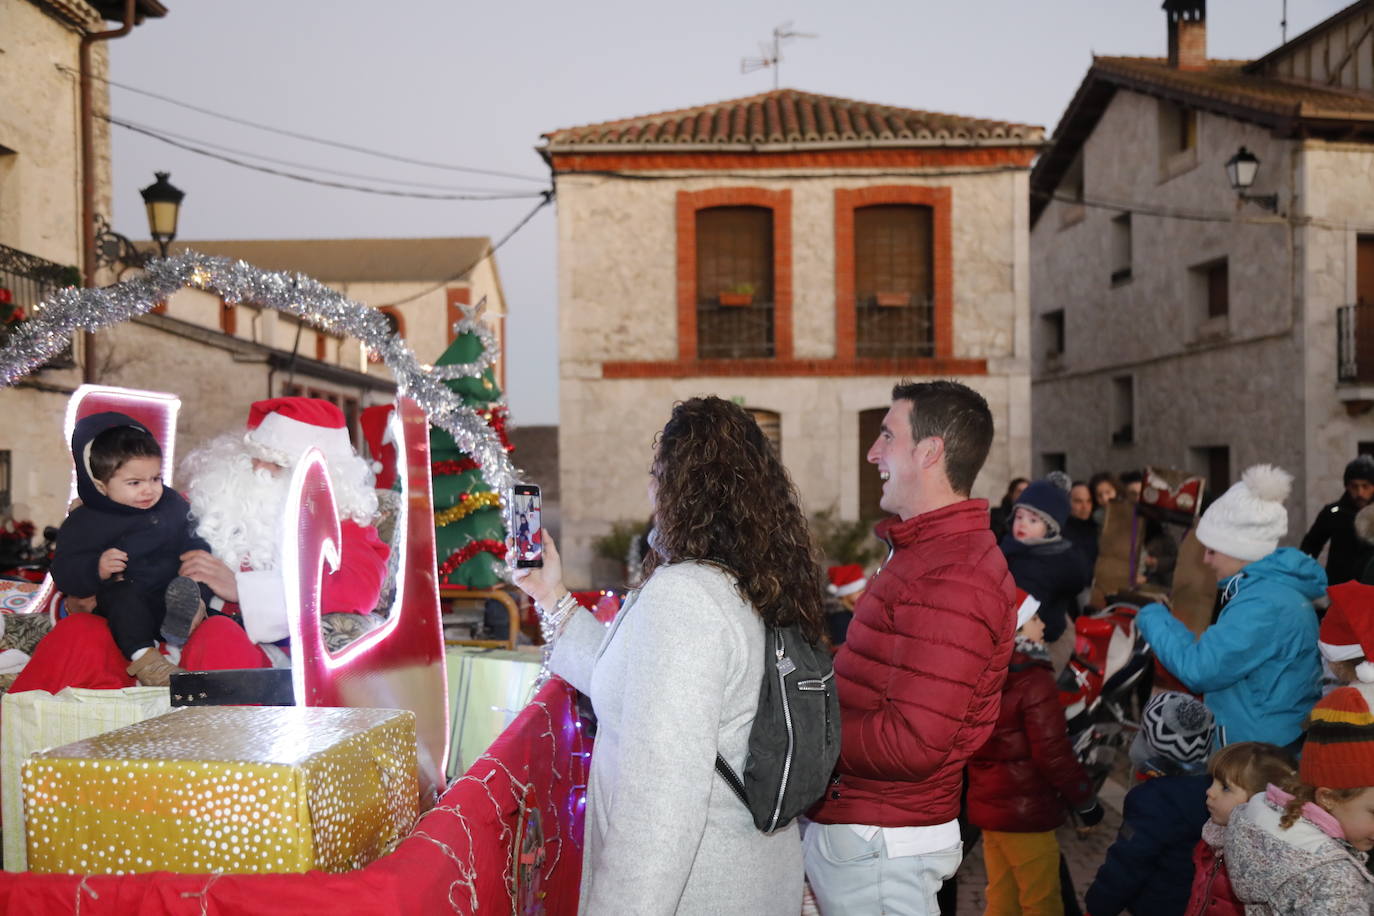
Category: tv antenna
<point>1283,23</point>
<point>772,57</point>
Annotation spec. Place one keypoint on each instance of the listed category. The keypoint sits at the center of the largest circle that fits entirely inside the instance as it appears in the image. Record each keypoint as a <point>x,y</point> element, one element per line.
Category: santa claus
<point>237,490</point>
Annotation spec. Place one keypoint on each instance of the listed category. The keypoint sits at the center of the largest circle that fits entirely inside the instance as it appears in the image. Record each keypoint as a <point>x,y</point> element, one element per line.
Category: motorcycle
<point>19,558</point>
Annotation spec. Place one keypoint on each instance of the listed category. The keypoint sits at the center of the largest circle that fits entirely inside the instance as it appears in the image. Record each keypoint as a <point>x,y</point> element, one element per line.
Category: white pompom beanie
<point>1248,520</point>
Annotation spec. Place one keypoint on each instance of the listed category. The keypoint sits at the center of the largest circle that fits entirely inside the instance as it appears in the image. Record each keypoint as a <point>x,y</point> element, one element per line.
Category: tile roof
<point>789,118</point>
<point>1227,87</point>
<point>350,260</point>
<point>1227,81</point>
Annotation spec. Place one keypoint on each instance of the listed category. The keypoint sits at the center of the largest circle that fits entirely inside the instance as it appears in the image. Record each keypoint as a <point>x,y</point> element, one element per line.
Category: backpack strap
<point>731,779</point>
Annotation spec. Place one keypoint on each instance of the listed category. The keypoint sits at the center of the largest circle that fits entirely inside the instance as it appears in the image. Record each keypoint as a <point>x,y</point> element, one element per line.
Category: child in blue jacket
<point>1149,869</point>
<point>1257,667</point>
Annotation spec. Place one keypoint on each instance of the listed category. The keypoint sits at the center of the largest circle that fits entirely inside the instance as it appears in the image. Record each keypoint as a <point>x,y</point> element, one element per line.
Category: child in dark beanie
<point>1149,869</point>
<point>1045,564</point>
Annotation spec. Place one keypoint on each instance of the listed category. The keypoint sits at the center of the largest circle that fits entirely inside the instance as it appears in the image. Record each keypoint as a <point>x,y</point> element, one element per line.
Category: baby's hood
<point>85,431</point>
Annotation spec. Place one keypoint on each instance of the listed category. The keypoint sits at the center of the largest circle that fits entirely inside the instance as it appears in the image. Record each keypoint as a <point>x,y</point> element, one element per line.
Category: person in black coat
<point>1148,871</point>
<point>1080,528</point>
<point>1047,565</point>
<point>1336,523</point>
<point>123,544</point>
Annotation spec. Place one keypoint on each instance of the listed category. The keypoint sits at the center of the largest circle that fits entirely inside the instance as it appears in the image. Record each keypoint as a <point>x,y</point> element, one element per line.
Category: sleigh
<point>506,835</point>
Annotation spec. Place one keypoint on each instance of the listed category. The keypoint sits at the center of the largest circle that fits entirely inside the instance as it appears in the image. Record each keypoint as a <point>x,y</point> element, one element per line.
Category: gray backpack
<point>795,739</point>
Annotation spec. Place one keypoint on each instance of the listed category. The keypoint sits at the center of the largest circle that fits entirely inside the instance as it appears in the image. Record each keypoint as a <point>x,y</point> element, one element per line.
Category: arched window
<point>735,289</point>
<point>893,281</point>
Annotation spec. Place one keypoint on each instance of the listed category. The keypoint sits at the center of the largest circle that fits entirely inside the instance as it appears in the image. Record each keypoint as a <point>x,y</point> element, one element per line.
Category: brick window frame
<point>939,200</point>
<point>688,203</point>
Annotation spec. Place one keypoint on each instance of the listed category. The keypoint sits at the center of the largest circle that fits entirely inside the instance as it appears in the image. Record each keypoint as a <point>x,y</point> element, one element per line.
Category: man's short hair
<point>958,415</point>
<point>118,444</point>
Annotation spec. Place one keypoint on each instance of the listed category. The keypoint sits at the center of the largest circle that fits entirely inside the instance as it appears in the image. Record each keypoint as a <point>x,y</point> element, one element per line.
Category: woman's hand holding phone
<point>542,583</point>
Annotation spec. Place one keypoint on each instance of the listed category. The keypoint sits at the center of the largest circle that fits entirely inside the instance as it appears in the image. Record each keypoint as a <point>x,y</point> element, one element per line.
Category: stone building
<point>1180,322</point>
<point>796,253</point>
<point>41,239</point>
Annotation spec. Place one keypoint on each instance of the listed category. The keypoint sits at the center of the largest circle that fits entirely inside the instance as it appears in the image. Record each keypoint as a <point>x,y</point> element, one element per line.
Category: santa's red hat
<point>1347,630</point>
<point>281,429</point>
<point>846,580</point>
<point>1026,607</point>
<point>376,424</point>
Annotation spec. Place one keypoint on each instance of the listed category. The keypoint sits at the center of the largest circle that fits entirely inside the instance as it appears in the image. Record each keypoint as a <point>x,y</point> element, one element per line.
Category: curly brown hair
<point>724,498</point>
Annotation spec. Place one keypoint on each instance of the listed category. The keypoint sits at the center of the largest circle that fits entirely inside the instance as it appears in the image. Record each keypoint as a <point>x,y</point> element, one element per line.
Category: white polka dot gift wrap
<point>229,789</point>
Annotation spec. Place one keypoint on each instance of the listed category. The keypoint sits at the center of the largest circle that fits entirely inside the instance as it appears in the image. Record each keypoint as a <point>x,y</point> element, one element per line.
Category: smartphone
<point>522,523</point>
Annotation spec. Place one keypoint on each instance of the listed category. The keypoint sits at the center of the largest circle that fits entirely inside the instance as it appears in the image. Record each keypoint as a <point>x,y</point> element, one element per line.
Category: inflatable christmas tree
<point>469,529</point>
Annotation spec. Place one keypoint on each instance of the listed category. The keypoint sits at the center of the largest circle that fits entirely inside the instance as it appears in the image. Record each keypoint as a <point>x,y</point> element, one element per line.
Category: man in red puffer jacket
<point>920,674</point>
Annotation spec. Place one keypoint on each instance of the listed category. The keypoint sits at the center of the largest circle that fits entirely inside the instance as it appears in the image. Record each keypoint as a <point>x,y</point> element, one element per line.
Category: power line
<point>306,137</point>
<point>387,192</point>
<point>548,199</point>
<point>217,147</point>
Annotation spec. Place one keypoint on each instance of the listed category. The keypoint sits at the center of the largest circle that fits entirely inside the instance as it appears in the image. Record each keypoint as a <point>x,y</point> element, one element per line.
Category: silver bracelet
<point>552,622</point>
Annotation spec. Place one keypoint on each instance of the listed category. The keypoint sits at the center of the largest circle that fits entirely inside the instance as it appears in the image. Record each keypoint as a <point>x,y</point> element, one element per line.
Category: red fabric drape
<point>459,858</point>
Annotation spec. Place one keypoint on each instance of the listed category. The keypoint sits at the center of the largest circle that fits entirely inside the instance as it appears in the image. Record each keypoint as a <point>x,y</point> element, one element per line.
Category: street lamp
<point>1241,170</point>
<point>163,200</point>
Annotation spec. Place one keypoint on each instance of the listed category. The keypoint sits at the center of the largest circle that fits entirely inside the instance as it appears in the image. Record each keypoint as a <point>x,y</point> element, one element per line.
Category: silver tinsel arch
<point>51,325</point>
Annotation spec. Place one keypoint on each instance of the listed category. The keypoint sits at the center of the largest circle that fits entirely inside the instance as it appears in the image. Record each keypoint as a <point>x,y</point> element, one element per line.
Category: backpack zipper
<point>787,717</point>
<point>822,685</point>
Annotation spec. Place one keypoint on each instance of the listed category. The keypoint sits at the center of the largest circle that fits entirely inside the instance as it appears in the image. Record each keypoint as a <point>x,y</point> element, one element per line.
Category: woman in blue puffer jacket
<point>1258,665</point>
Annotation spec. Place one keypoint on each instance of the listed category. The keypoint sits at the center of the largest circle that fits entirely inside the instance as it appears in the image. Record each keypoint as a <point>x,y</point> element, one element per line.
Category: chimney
<point>1187,34</point>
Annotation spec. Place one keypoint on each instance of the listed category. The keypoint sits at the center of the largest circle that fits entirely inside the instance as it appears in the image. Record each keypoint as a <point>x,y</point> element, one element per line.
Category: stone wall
<point>618,279</point>
<point>1198,382</point>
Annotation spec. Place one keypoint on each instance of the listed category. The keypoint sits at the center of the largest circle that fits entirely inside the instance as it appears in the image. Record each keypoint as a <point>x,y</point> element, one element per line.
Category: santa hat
<point>376,425</point>
<point>1026,607</point>
<point>281,429</point>
<point>1347,630</point>
<point>1339,750</point>
<point>846,580</point>
<point>1247,521</point>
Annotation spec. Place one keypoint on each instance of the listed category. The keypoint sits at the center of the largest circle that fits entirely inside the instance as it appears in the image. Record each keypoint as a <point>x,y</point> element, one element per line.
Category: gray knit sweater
<point>674,680</point>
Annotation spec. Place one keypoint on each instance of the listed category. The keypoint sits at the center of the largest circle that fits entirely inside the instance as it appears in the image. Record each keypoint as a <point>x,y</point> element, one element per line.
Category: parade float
<point>341,801</point>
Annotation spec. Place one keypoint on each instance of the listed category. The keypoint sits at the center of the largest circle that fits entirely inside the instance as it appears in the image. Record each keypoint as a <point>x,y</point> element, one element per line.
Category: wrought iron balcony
<point>734,331</point>
<point>1355,345</point>
<point>895,331</point>
<point>25,281</point>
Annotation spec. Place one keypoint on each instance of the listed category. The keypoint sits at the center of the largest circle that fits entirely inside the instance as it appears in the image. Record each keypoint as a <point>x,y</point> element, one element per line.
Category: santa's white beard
<point>238,510</point>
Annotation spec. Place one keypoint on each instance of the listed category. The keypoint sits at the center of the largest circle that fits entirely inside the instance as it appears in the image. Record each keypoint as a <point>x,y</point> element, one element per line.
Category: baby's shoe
<point>185,610</point>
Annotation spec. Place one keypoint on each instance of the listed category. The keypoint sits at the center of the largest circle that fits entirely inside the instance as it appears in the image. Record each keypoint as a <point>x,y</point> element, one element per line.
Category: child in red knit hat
<point>1303,851</point>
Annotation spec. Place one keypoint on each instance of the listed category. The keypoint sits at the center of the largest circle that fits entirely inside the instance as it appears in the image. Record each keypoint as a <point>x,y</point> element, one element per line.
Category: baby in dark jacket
<point>124,543</point>
<point>1047,565</point>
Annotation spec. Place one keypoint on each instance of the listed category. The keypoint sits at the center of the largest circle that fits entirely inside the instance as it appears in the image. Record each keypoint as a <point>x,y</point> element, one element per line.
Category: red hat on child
<point>376,424</point>
<point>281,429</point>
<point>846,580</point>
<point>1026,607</point>
<point>1347,630</point>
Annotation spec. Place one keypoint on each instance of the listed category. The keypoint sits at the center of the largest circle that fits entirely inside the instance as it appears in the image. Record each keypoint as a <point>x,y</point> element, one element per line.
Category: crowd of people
<point>1254,781</point>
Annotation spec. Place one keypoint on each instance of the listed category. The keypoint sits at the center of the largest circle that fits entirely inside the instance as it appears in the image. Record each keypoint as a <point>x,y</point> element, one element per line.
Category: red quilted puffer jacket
<point>920,673</point>
<point>1026,775</point>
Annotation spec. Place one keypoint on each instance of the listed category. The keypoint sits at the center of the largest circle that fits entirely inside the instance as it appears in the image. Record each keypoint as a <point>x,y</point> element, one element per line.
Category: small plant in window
<point>739,294</point>
<point>892,299</point>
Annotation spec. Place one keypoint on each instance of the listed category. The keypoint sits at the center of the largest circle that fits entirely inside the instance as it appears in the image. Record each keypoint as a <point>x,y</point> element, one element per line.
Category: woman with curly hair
<point>675,679</point>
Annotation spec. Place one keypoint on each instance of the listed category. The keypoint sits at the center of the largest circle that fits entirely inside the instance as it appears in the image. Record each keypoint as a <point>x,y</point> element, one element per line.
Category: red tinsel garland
<point>461,466</point>
<point>496,418</point>
<point>470,550</point>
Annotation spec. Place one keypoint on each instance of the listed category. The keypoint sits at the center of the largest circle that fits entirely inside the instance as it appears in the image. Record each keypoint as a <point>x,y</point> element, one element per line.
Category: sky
<point>475,85</point>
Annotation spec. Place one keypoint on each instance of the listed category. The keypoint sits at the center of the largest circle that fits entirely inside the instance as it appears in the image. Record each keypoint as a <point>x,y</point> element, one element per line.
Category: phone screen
<point>523,510</point>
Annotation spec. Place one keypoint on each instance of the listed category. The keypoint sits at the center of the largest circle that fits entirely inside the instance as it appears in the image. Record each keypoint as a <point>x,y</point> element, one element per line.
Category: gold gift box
<point>229,789</point>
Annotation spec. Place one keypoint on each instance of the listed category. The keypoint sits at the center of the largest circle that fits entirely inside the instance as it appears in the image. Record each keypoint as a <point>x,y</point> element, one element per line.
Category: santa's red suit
<point>238,502</point>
